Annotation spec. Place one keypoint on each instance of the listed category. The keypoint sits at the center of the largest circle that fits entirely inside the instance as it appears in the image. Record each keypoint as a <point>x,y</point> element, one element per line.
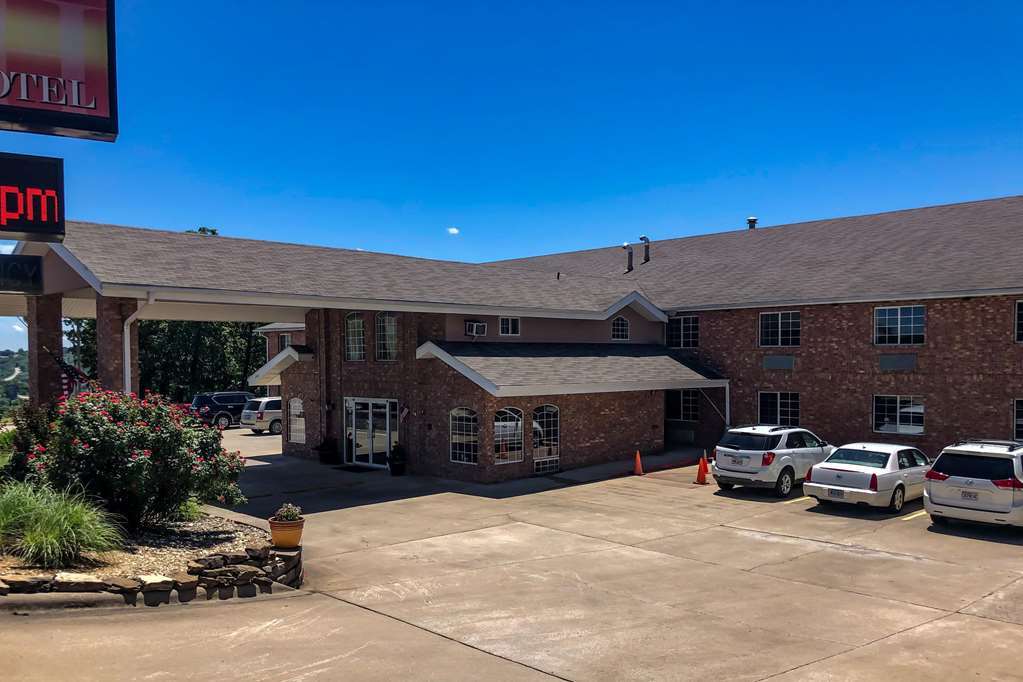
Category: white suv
<point>767,457</point>
<point>979,480</point>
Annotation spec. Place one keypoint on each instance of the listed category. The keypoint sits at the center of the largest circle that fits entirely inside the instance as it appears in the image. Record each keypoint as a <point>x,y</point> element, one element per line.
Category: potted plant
<point>286,526</point>
<point>396,461</point>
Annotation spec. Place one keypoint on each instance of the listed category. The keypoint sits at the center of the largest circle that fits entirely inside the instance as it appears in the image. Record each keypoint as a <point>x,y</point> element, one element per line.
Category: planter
<point>396,468</point>
<point>286,534</point>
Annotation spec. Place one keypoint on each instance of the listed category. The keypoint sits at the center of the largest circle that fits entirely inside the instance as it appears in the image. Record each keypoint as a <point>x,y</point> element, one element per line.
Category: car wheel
<point>939,520</point>
<point>725,486</point>
<point>223,422</point>
<point>257,431</point>
<point>783,488</point>
<point>898,499</point>
<point>276,427</point>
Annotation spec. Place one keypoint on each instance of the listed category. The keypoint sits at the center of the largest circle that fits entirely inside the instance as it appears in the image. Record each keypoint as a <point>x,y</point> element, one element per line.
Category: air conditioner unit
<point>474,329</point>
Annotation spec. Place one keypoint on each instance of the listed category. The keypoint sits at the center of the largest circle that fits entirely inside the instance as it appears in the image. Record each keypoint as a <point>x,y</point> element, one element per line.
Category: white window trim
<point>522,436</point>
<point>898,397</point>
<point>532,415</point>
<point>500,329</point>
<point>1015,321</point>
<point>451,444</point>
<point>1015,402</point>
<point>383,315</point>
<point>760,336</point>
<point>628,328</point>
<point>799,418</point>
<point>681,331</point>
<point>873,331</point>
<point>355,315</point>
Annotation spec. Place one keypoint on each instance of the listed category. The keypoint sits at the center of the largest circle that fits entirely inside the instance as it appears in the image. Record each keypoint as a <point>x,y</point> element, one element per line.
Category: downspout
<point>126,341</point>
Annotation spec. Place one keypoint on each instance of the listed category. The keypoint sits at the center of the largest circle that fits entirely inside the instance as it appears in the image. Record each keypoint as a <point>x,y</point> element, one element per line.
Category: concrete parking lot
<point>629,578</point>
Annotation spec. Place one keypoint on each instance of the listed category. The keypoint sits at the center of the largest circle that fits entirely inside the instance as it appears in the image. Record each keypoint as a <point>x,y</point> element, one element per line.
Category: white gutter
<point>126,340</point>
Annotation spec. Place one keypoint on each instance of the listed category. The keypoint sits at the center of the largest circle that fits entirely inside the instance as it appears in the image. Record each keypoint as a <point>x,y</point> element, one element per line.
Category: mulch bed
<point>159,550</point>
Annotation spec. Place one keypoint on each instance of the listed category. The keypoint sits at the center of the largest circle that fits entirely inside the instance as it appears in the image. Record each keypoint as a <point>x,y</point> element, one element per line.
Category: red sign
<point>57,72</point>
<point>31,198</point>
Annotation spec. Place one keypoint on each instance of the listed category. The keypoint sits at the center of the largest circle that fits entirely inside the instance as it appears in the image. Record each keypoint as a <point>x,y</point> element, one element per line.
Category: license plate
<point>968,494</point>
<point>836,493</point>
<point>740,461</point>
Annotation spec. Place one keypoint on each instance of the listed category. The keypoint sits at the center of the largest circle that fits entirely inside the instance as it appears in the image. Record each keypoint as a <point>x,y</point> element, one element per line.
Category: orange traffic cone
<point>701,471</point>
<point>637,470</point>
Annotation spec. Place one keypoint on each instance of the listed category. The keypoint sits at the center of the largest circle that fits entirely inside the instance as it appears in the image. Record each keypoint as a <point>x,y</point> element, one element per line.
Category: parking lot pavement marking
<point>914,515</point>
<point>798,499</point>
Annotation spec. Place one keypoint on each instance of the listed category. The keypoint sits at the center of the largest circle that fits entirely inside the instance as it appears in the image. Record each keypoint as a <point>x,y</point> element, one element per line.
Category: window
<point>283,341</point>
<point>296,421</point>
<point>272,405</point>
<point>464,434</point>
<point>779,408</point>
<point>899,325</point>
<point>387,336</point>
<point>507,435</point>
<point>811,440</point>
<point>1017,431</point>
<point>920,458</point>
<point>1019,321</point>
<point>899,414</point>
<point>682,405</point>
<point>619,329</point>
<point>684,332</point>
<point>779,329</point>
<point>475,328</point>
<point>509,326</point>
<point>355,337</point>
<point>546,439</point>
<point>749,441</point>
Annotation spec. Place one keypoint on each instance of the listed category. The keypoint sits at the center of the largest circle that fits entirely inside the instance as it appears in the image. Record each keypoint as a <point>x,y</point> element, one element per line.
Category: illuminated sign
<point>57,71</point>
<point>31,198</point>
<point>21,274</point>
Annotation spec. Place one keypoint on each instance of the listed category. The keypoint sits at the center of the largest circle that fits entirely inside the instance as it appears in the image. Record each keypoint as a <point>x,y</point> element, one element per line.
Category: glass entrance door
<point>371,430</point>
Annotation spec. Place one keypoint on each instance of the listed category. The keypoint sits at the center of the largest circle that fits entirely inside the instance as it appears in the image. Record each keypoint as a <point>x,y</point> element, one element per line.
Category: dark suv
<point>221,409</point>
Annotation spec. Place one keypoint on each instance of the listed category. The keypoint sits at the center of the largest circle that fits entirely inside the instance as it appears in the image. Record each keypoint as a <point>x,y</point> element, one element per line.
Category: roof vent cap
<point>751,222</point>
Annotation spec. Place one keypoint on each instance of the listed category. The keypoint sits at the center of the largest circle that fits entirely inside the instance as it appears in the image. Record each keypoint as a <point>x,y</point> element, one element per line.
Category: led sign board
<point>31,198</point>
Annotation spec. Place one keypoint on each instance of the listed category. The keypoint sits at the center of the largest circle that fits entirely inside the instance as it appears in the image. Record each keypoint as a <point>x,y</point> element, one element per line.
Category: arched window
<point>546,439</point>
<point>355,337</point>
<point>619,329</point>
<point>387,336</point>
<point>507,435</point>
<point>464,434</point>
<point>296,421</point>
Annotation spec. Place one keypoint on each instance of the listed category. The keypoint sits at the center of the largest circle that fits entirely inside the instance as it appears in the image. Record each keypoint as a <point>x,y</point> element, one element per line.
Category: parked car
<point>980,480</point>
<point>767,457</point>
<point>222,408</point>
<point>873,474</point>
<point>263,414</point>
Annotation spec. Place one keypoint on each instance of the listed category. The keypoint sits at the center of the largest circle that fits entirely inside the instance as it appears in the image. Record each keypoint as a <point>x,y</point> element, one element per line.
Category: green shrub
<point>190,510</point>
<point>143,458</point>
<point>52,528</point>
<point>288,512</point>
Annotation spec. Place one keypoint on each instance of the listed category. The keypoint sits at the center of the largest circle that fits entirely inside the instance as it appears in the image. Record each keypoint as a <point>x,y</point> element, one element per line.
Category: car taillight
<point>873,482</point>
<point>767,460</point>
<point>259,415</point>
<point>933,475</point>
<point>1009,484</point>
<point>204,409</point>
<point>809,475</point>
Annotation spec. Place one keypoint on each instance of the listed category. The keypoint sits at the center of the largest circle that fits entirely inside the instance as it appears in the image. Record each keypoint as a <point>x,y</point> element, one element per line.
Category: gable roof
<point>517,369</point>
<point>972,248</point>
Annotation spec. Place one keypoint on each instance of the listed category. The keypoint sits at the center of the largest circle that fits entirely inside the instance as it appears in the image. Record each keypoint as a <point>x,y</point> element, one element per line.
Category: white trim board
<point>270,373</point>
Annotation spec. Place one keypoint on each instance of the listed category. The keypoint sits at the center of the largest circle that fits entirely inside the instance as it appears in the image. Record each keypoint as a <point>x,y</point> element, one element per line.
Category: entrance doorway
<point>371,430</point>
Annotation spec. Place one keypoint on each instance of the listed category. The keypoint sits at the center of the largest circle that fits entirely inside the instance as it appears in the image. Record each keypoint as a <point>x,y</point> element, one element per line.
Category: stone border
<point>222,575</point>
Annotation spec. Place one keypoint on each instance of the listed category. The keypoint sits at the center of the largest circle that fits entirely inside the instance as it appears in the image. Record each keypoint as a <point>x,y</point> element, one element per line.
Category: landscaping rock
<point>247,591</point>
<point>123,585</point>
<point>234,558</point>
<point>215,561</point>
<point>186,595</point>
<point>226,591</point>
<point>4,589</point>
<point>290,557</point>
<point>275,569</point>
<point>244,574</point>
<point>292,578</point>
<point>155,597</point>
<point>264,583</point>
<point>78,582</point>
<point>195,568</point>
<point>27,584</point>
<point>259,553</point>
<point>156,583</point>
<point>184,581</point>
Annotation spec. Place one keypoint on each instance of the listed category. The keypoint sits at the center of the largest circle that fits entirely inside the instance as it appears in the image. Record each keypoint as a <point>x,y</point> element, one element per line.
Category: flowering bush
<point>144,458</point>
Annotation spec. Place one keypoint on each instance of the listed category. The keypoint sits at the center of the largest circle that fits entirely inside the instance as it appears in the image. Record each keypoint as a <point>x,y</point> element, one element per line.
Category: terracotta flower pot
<point>286,534</point>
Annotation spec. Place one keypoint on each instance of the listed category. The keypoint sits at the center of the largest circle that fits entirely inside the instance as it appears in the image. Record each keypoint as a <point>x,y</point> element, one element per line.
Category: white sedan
<point>874,474</point>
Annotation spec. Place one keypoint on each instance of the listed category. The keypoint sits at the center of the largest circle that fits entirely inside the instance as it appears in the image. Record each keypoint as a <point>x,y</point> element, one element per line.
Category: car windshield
<point>974,466</point>
<point>749,441</point>
<point>864,458</point>
<point>252,405</point>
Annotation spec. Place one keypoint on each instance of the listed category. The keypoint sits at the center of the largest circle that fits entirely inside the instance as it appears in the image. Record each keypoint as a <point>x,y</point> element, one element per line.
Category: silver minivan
<point>980,480</point>
<point>263,414</point>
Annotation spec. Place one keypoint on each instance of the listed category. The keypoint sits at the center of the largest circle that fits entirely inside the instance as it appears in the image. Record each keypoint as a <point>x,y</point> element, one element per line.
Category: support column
<point>45,329</point>
<point>110,316</point>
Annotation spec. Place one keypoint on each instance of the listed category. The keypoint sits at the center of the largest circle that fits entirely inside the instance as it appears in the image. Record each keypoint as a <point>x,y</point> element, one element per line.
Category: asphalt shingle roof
<point>969,247</point>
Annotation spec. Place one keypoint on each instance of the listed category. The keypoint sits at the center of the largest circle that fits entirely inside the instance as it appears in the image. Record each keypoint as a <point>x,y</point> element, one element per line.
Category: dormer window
<point>619,329</point>
<point>475,328</point>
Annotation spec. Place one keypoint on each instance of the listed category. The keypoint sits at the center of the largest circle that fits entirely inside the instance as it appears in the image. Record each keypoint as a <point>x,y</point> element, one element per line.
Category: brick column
<point>110,316</point>
<point>45,328</point>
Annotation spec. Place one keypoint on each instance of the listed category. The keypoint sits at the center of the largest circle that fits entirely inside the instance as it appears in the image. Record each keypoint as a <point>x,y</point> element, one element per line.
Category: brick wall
<point>968,371</point>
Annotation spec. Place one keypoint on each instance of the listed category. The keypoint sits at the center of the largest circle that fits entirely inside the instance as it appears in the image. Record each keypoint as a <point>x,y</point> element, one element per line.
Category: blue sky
<point>538,127</point>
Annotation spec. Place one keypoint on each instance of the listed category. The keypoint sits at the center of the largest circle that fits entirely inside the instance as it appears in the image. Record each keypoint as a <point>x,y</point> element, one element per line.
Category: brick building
<point>901,326</point>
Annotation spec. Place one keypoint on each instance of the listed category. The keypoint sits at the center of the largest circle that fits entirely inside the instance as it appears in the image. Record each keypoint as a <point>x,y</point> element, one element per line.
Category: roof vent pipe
<point>751,222</point>
<point>628,250</point>
<point>646,248</point>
